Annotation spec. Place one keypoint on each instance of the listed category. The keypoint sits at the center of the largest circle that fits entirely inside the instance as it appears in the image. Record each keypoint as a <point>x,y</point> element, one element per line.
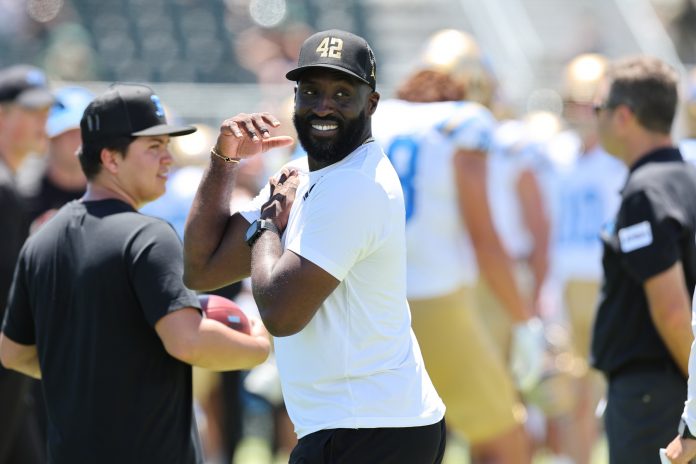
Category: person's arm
<point>215,252</point>
<point>206,343</point>
<point>528,345</point>
<point>494,263</point>
<point>276,275</point>
<point>670,310</point>
<point>537,223</point>
<point>18,357</point>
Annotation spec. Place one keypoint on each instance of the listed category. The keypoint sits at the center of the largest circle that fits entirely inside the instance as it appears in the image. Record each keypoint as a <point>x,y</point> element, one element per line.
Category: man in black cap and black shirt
<point>24,103</point>
<point>642,333</point>
<point>98,309</point>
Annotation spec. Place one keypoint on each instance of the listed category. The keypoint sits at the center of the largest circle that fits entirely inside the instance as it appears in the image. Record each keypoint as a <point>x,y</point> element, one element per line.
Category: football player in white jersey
<point>583,184</point>
<point>438,144</point>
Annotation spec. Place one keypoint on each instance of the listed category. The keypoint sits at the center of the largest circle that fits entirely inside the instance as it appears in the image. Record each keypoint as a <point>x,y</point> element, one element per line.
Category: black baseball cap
<point>127,110</point>
<point>26,86</point>
<point>339,50</point>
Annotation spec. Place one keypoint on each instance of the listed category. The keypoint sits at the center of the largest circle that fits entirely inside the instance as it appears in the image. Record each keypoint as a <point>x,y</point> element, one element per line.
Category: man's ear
<point>625,116</point>
<point>110,159</point>
<point>372,101</point>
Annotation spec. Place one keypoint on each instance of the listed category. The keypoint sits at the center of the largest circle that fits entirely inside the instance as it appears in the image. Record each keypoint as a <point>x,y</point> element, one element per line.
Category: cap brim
<point>62,123</point>
<point>294,75</point>
<point>35,98</point>
<point>166,129</point>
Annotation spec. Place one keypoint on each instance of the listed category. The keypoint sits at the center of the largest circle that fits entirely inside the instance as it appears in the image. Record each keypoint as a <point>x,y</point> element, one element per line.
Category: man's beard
<point>331,150</point>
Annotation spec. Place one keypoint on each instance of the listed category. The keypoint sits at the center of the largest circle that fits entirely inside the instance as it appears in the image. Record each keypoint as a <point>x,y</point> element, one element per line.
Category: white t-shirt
<point>357,363</point>
<point>421,140</point>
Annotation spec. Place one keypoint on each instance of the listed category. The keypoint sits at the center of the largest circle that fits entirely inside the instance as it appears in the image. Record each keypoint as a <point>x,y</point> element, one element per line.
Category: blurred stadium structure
<point>213,58</point>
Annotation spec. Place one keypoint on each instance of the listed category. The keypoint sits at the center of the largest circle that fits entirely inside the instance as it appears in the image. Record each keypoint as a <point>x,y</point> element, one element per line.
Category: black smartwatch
<point>684,431</point>
<point>257,228</point>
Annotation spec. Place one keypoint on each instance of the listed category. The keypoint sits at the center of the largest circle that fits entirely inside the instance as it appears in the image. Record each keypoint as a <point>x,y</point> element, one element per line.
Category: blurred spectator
<point>24,104</point>
<point>60,179</point>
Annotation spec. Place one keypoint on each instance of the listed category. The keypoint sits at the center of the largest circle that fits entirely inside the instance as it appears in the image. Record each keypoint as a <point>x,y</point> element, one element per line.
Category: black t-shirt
<point>90,286</point>
<point>13,230</point>
<point>654,228</point>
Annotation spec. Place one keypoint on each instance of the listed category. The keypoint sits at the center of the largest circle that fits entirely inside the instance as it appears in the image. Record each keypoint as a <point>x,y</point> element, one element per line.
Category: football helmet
<point>458,54</point>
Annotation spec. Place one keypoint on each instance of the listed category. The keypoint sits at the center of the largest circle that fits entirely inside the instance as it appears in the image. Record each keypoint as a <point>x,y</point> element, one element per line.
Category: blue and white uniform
<point>421,139</point>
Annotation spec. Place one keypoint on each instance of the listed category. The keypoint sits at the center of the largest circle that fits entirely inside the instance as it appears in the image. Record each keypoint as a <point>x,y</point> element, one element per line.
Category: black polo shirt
<point>654,228</point>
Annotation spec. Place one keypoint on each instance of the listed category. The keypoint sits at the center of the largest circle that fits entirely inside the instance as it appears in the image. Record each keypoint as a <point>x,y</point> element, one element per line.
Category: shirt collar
<point>661,155</point>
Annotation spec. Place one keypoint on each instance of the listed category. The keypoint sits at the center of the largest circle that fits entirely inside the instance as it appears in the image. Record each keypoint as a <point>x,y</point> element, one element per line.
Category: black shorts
<point>397,445</point>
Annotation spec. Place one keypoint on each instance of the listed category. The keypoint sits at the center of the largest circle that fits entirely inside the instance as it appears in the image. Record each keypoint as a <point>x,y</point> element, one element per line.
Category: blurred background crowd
<point>243,44</point>
<point>210,59</point>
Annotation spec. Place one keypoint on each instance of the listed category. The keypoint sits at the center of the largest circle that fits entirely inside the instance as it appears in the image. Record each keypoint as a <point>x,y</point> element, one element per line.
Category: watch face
<point>253,227</point>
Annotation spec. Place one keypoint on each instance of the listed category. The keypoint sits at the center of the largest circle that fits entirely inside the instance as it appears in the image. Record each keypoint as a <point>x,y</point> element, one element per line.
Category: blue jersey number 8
<point>403,154</point>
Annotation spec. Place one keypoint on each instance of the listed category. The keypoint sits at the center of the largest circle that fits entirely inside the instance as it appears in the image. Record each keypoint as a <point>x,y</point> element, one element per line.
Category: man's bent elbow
<point>277,326</point>
<point>183,349</point>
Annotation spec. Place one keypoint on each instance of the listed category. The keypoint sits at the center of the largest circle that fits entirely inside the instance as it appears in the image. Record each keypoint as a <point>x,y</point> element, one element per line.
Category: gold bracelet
<point>227,159</point>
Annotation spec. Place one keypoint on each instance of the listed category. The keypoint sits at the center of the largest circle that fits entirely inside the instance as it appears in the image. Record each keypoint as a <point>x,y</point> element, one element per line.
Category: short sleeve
<point>471,127</point>
<point>648,235</point>
<point>156,267</point>
<point>18,324</point>
<point>345,219</point>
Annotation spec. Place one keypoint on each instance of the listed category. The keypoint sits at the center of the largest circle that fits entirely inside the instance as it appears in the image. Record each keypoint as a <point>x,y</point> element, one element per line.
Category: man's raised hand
<point>246,135</point>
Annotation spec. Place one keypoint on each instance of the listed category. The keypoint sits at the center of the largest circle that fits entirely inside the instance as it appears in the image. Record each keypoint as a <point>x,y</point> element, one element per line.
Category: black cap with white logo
<point>338,50</point>
<point>127,110</point>
<point>26,86</point>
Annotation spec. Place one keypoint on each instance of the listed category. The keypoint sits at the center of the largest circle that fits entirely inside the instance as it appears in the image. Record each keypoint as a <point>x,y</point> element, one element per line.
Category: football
<point>226,311</point>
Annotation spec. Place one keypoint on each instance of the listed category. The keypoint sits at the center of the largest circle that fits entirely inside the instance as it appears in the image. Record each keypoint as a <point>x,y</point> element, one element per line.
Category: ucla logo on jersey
<point>159,109</point>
